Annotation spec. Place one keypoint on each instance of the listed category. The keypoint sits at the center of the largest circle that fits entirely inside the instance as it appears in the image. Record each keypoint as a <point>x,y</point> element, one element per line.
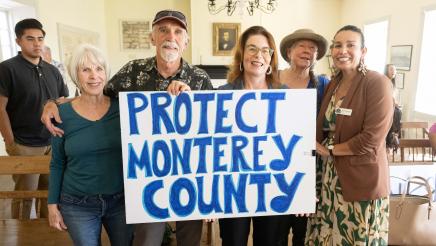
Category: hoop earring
<point>362,67</point>
<point>240,67</point>
<point>269,70</point>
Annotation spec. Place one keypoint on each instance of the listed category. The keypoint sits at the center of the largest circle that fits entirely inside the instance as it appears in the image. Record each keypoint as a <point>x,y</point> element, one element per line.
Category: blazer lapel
<point>356,82</point>
<point>325,102</point>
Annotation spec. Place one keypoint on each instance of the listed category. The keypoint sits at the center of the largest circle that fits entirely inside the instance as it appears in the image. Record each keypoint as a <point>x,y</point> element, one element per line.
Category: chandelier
<point>231,5</point>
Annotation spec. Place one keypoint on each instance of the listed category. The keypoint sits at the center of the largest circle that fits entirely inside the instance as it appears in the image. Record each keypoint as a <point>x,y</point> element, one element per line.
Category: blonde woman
<point>86,179</point>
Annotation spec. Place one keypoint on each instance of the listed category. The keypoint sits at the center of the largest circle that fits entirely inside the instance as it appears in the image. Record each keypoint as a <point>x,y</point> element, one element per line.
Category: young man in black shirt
<point>26,83</point>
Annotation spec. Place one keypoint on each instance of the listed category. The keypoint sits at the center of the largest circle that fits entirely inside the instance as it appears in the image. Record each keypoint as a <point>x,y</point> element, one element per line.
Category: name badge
<point>343,111</point>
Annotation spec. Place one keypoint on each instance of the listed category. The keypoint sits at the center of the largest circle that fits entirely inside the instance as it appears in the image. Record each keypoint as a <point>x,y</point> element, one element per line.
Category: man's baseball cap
<point>171,14</point>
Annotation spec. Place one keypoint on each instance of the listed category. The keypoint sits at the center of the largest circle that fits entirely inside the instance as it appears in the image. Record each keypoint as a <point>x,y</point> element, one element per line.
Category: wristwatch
<point>330,148</point>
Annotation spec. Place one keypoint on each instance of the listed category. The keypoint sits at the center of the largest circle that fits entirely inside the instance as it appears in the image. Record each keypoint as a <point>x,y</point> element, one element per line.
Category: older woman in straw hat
<point>301,49</point>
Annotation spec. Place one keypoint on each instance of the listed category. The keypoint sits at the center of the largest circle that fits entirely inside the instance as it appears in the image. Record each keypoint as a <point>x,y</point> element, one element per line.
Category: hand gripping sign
<point>218,154</point>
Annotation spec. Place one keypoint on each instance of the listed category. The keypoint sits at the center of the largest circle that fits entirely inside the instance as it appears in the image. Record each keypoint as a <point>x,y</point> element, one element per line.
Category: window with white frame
<point>376,39</point>
<point>6,45</point>
<point>425,100</point>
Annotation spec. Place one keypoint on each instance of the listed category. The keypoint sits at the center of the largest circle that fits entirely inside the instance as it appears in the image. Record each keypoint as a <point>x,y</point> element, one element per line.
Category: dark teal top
<point>87,160</point>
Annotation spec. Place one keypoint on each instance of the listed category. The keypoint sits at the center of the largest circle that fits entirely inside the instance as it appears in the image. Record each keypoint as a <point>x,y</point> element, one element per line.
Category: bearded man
<point>170,36</point>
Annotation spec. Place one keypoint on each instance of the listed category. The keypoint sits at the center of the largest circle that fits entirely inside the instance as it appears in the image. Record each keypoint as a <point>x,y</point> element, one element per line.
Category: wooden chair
<point>10,165</point>
<point>414,130</point>
<point>414,139</point>
<point>28,231</point>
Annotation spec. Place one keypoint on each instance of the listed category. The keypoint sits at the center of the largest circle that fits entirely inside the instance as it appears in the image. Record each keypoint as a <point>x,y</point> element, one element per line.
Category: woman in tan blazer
<point>353,175</point>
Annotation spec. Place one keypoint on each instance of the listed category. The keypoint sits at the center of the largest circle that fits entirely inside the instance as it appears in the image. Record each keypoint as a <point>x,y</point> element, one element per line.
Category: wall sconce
<point>252,5</point>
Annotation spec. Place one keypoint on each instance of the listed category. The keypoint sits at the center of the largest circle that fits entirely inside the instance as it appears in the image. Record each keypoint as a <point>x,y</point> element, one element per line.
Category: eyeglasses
<point>265,51</point>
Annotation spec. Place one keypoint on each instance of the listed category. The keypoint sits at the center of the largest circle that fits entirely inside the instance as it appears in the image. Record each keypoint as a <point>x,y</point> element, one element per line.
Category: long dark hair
<point>234,69</point>
<point>313,78</point>
<point>387,71</point>
<point>353,29</point>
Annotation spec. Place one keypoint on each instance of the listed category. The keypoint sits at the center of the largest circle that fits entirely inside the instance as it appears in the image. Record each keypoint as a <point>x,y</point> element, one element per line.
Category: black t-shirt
<point>27,87</point>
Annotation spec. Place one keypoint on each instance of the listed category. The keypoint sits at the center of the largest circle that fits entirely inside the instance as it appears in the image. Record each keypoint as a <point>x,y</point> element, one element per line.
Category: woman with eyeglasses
<point>254,67</point>
<point>354,119</point>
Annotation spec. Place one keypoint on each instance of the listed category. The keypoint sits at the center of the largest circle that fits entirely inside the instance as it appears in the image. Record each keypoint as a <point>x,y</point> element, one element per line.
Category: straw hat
<point>303,34</point>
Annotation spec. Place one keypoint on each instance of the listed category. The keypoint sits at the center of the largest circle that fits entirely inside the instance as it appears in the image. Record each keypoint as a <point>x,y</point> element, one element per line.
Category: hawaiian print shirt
<point>142,75</point>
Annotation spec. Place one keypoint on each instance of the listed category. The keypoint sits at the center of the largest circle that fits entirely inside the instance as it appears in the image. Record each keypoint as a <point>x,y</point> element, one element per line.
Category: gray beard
<point>169,56</point>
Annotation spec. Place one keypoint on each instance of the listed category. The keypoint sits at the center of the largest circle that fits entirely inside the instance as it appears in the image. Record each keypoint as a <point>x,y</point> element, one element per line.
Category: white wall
<point>319,15</point>
<point>136,9</point>
<point>405,28</point>
<point>83,14</point>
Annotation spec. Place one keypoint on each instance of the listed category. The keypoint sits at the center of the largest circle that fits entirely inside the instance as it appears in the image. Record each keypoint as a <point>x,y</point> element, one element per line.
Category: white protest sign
<point>218,154</point>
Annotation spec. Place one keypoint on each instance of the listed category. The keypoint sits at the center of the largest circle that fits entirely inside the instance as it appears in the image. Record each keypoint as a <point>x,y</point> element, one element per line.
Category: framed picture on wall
<point>69,37</point>
<point>399,81</point>
<point>401,56</point>
<point>135,34</point>
<point>225,36</point>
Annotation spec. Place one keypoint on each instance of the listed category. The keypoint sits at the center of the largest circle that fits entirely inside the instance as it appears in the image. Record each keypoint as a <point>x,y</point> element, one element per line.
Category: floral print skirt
<point>338,222</point>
